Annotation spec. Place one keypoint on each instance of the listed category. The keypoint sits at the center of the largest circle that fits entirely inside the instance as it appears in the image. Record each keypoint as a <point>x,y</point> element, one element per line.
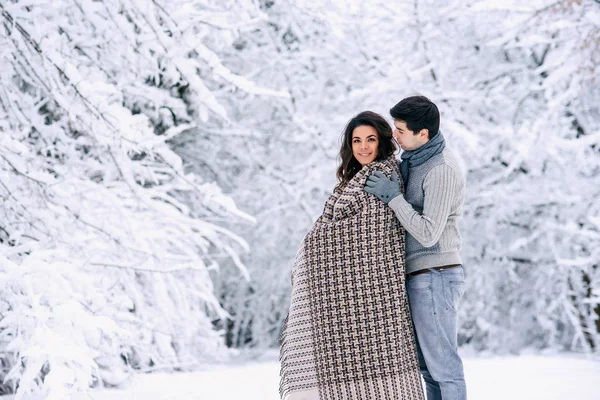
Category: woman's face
<point>364,144</point>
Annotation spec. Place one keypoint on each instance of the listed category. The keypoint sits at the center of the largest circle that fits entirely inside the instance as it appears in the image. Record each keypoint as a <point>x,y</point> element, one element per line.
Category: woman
<point>348,334</point>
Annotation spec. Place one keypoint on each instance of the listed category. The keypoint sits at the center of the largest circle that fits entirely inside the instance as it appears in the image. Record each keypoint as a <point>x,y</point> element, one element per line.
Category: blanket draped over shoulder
<point>348,333</point>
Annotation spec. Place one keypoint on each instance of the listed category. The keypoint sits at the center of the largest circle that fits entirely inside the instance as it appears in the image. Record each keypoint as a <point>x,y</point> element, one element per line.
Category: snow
<point>491,378</point>
<point>161,161</point>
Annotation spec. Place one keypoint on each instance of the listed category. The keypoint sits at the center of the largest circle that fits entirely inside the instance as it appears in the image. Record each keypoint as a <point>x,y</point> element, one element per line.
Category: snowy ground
<point>501,378</point>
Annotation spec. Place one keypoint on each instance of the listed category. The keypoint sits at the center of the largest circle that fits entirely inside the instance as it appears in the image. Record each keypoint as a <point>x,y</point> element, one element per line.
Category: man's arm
<point>440,188</point>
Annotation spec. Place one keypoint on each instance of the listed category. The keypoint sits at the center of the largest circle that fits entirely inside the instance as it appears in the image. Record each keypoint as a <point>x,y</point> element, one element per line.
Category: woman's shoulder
<point>387,166</point>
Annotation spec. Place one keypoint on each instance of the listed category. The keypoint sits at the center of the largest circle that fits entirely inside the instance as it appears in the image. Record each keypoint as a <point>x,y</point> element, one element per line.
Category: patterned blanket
<point>348,333</point>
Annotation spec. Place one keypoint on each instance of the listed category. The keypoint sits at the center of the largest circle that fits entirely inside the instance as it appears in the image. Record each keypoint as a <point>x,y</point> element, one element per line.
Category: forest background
<point>161,161</point>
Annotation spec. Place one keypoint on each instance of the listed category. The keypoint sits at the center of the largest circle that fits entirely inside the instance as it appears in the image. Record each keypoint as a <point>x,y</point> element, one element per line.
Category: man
<point>429,211</point>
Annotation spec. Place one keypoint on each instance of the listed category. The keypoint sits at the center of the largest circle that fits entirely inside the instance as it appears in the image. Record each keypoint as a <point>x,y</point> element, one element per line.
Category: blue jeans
<point>433,299</point>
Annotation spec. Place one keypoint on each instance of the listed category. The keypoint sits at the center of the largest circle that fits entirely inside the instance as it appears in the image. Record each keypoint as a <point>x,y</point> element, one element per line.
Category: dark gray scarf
<point>414,158</point>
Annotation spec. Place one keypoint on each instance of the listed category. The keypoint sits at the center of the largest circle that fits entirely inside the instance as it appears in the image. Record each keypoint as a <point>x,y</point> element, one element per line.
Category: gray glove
<point>382,187</point>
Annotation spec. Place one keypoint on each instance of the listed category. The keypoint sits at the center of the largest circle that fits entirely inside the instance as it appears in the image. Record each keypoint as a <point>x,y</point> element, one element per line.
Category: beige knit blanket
<point>348,333</point>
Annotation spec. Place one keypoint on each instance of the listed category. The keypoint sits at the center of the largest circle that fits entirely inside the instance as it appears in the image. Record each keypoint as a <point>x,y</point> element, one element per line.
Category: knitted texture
<point>348,333</point>
<point>431,210</point>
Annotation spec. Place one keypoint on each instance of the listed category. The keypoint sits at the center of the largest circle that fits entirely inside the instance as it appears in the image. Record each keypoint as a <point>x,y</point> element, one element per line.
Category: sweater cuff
<point>402,209</point>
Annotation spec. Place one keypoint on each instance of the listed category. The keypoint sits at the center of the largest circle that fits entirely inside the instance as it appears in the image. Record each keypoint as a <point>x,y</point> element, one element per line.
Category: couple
<point>377,279</point>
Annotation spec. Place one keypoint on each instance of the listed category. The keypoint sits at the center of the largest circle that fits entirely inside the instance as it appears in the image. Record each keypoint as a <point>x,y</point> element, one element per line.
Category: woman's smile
<point>365,143</point>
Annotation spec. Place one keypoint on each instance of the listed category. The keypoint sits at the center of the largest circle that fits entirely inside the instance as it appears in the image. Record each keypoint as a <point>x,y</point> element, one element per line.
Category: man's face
<point>407,138</point>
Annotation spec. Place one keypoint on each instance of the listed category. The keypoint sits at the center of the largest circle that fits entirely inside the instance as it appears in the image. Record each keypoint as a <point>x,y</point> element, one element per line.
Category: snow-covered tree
<point>145,146</point>
<point>287,167</point>
<point>533,196</point>
<point>517,90</point>
<point>104,266</point>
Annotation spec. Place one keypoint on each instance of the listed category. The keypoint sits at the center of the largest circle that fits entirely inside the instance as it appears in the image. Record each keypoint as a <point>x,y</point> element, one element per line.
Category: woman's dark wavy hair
<point>349,165</point>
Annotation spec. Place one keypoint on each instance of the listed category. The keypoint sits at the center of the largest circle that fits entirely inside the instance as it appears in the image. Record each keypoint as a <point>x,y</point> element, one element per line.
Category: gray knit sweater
<point>430,211</point>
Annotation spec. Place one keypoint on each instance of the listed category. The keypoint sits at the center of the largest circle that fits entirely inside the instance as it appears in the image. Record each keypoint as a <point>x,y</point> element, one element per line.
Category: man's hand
<point>382,187</point>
